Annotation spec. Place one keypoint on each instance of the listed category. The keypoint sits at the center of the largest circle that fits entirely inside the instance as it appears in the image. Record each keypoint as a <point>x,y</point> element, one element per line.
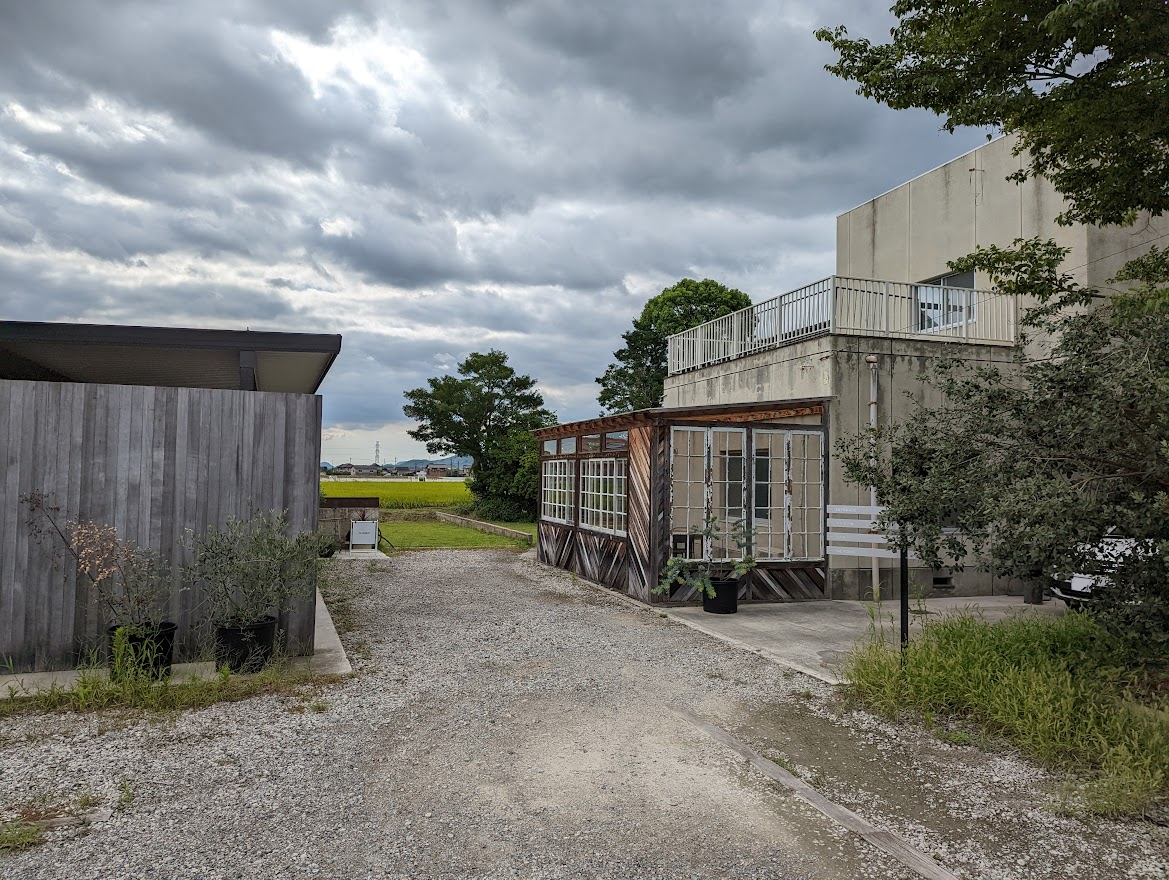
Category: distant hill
<point>454,462</point>
<point>325,464</point>
<point>413,463</point>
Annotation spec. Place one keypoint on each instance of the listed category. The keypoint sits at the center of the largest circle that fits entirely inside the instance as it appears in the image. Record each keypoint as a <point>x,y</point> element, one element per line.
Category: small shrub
<point>502,510</point>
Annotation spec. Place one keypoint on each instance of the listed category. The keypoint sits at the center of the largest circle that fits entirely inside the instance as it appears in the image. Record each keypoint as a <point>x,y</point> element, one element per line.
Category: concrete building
<point>890,313</point>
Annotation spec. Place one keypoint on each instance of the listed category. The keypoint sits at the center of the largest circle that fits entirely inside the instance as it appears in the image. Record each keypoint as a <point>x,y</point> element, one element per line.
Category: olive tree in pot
<point>716,582</point>
<point>129,583</point>
<point>251,570</point>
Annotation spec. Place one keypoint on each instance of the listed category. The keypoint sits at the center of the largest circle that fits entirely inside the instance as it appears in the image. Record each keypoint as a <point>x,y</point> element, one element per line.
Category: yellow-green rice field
<point>402,494</point>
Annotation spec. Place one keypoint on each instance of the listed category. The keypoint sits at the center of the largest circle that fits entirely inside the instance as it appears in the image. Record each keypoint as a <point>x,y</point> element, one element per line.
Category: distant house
<point>437,470</point>
<point>358,470</point>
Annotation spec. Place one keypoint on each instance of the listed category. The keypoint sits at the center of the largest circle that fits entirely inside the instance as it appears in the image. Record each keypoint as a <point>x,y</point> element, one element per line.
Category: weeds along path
<point>506,720</point>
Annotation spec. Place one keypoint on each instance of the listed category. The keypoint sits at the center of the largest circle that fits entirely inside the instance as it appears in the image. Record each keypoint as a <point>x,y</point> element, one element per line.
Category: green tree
<point>1035,463</point>
<point>1084,84</point>
<point>637,379</point>
<point>488,413</point>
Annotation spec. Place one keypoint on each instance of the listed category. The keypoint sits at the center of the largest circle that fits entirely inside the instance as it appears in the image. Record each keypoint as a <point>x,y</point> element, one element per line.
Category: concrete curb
<point>480,526</point>
<point>820,674</point>
<point>329,654</point>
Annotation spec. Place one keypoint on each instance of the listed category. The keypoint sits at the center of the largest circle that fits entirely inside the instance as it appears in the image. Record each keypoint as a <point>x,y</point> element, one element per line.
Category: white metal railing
<point>854,307</point>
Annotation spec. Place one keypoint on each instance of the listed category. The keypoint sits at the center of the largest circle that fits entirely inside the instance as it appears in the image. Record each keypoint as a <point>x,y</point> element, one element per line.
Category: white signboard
<point>362,532</point>
<point>852,532</point>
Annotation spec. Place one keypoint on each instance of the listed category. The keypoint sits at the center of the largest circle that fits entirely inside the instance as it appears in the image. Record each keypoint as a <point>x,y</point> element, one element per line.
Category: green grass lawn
<point>401,494</point>
<point>422,534</point>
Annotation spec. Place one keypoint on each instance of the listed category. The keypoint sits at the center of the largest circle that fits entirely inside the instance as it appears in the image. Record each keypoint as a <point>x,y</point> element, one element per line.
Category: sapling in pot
<point>716,582</point>
<point>250,571</point>
<point>130,585</point>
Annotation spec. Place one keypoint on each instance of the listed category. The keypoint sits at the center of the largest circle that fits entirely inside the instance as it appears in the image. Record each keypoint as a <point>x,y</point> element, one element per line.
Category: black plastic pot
<point>148,650</point>
<point>245,648</point>
<point>726,597</point>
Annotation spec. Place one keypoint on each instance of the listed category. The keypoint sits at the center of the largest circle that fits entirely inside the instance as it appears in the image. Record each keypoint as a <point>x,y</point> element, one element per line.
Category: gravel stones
<point>507,720</point>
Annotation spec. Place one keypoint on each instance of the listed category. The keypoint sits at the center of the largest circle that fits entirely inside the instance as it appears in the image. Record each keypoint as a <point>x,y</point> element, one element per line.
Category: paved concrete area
<point>329,658</point>
<point>814,637</point>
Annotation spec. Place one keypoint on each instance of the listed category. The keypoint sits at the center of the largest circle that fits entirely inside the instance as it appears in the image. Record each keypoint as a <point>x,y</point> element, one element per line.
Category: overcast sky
<point>428,178</point>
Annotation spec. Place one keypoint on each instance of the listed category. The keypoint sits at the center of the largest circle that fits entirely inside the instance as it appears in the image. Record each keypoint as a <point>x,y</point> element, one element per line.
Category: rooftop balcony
<point>852,307</point>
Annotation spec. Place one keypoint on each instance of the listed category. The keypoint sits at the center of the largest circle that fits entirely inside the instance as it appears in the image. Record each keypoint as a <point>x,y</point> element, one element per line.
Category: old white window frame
<point>603,483</point>
<point>558,490</point>
<point>805,522</point>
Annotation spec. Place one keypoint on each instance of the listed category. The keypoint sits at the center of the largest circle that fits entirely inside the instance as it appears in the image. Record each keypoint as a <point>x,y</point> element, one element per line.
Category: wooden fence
<point>153,462</point>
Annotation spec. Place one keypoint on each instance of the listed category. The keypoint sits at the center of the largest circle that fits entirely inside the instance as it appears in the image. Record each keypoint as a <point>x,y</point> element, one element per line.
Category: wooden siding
<point>600,558</point>
<point>152,462</point>
<point>789,582</point>
<point>660,505</point>
<point>641,576</point>
<point>554,544</point>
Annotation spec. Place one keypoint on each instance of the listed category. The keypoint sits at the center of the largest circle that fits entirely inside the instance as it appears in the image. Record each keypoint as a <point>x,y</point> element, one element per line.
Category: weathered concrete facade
<point>834,367</point>
<point>907,236</point>
<point>912,231</point>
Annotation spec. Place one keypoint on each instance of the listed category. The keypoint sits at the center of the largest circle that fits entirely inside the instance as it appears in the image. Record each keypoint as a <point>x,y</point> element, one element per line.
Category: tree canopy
<point>1084,84</point>
<point>1036,463</point>
<point>488,414</point>
<point>637,379</point>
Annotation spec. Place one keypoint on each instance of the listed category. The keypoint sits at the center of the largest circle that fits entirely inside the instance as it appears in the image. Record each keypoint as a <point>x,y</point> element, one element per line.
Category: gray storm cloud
<point>428,178</point>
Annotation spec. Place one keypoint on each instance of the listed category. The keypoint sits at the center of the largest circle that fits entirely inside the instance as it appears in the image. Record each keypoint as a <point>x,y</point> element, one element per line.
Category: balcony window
<point>945,302</point>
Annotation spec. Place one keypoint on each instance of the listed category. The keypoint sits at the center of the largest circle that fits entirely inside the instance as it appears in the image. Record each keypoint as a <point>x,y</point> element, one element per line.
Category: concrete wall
<point>835,367</point>
<point>909,233</point>
<point>912,231</point>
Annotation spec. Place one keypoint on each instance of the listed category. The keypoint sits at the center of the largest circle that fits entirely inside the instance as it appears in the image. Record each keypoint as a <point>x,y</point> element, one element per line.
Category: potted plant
<point>128,582</point>
<point>251,570</point>
<point>716,582</point>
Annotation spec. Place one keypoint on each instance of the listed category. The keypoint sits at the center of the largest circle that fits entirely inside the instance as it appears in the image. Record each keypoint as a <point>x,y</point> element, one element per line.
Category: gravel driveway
<point>508,721</point>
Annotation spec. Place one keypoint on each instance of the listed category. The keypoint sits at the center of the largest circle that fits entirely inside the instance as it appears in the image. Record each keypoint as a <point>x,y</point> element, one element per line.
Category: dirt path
<point>509,721</point>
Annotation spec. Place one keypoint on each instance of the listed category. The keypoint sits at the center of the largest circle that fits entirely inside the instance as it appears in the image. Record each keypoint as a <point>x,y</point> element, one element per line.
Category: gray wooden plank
<point>25,467</point>
<point>276,461</point>
<point>39,476</point>
<point>122,400</point>
<point>11,519</point>
<point>130,467</point>
<point>78,402</point>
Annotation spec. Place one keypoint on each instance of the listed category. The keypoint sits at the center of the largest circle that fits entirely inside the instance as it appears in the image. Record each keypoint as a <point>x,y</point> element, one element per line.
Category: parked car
<point>1076,590</point>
